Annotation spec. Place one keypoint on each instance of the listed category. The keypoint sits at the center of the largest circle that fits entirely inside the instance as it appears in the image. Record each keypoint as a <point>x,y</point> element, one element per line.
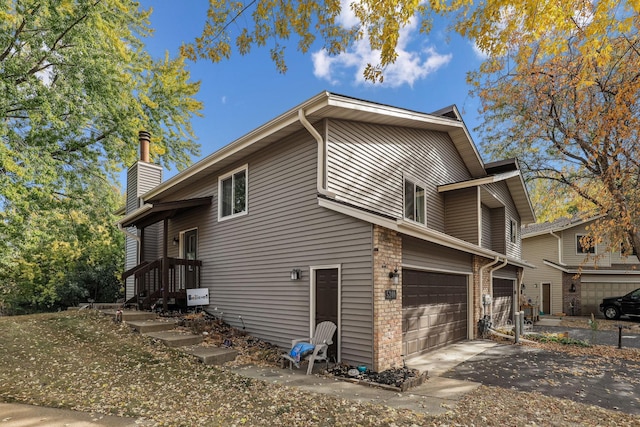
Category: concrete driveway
<point>609,383</point>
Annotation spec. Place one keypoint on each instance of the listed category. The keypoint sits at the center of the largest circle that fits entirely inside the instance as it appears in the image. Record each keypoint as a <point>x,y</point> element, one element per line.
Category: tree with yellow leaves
<point>559,88</point>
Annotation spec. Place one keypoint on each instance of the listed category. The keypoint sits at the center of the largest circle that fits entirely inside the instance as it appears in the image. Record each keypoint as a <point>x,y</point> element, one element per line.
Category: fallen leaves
<point>85,362</point>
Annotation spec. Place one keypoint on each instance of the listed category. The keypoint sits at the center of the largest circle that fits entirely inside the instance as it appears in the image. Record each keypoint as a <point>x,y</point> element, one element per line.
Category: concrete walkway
<point>437,395</point>
<point>18,415</point>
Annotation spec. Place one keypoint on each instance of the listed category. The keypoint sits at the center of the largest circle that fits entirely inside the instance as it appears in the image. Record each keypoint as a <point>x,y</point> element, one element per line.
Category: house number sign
<point>390,294</point>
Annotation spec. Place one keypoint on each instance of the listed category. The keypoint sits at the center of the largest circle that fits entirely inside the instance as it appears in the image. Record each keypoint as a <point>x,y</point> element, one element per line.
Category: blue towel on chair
<point>300,350</point>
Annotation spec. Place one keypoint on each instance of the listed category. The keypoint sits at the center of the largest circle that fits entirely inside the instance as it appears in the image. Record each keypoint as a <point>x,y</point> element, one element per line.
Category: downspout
<point>128,233</point>
<point>482,270</point>
<point>504,263</point>
<point>559,246</point>
<point>321,154</point>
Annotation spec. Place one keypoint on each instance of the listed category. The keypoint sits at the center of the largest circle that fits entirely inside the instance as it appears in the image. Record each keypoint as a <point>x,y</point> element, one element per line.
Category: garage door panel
<point>434,310</point>
<point>502,306</point>
<point>592,293</point>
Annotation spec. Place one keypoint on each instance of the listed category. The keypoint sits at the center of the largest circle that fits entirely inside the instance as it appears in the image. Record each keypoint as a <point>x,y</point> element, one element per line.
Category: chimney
<point>144,138</point>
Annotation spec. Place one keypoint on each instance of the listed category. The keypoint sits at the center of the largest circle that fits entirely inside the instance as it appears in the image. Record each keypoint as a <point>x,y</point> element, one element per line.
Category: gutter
<point>320,184</point>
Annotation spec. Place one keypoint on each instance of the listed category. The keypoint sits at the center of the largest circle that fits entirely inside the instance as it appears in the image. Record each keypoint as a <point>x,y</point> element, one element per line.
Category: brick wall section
<point>571,298</point>
<point>387,314</point>
<point>478,289</point>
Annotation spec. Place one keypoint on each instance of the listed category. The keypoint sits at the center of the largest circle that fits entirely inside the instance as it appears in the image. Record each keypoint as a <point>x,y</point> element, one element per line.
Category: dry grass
<point>86,362</point>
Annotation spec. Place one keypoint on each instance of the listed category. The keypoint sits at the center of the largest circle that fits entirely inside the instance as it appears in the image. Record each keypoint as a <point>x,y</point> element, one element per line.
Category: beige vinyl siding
<point>420,254</point>
<point>535,250</point>
<point>461,209</point>
<point>501,192</point>
<point>569,250</point>
<point>247,260</point>
<point>487,236</point>
<point>617,258</point>
<point>367,163</point>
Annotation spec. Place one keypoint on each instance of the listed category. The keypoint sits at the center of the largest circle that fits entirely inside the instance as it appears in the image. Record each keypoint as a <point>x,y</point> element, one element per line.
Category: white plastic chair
<point>321,341</point>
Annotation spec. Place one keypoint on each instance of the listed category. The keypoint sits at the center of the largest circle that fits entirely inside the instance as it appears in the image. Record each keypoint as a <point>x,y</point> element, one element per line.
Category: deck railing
<point>179,275</point>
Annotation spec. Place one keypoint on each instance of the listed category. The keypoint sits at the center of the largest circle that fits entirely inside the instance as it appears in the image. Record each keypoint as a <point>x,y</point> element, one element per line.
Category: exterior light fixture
<point>296,274</point>
<point>395,276</point>
<point>572,288</point>
<point>175,241</point>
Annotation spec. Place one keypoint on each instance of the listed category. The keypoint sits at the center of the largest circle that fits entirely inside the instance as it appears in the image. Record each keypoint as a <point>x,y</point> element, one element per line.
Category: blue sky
<point>244,92</point>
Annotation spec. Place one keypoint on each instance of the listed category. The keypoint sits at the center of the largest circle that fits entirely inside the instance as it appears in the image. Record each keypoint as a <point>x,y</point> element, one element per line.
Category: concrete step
<point>212,355</point>
<point>175,338</point>
<point>156,325</point>
<point>131,315</point>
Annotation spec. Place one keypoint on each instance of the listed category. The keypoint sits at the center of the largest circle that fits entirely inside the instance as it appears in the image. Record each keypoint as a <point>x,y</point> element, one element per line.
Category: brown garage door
<point>434,310</point>
<point>502,301</point>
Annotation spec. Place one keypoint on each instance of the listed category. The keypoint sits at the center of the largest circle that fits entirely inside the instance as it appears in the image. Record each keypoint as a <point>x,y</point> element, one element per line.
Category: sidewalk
<point>19,415</point>
<point>436,396</point>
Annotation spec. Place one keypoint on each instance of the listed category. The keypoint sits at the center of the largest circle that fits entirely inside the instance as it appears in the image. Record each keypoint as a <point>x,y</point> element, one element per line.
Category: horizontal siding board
<point>428,255</point>
<point>247,259</point>
<point>461,209</point>
<point>366,164</point>
<point>501,192</point>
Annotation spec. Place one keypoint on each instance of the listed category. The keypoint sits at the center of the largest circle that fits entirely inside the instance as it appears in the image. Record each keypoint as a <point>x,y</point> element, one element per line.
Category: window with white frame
<point>414,201</point>
<point>584,244</point>
<point>513,231</point>
<point>232,194</point>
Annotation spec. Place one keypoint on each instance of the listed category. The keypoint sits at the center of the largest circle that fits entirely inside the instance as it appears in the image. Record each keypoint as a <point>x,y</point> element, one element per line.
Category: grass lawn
<point>84,361</point>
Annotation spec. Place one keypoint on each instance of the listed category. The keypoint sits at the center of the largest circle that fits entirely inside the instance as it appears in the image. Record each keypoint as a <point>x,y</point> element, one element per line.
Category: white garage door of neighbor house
<point>434,310</point>
<point>592,293</point>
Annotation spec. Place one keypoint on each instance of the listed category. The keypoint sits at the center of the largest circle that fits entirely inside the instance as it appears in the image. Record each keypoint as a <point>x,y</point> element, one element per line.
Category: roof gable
<point>322,106</point>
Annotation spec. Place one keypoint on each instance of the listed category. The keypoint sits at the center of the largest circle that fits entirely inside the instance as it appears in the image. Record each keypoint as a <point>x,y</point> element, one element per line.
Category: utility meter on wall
<point>486,299</point>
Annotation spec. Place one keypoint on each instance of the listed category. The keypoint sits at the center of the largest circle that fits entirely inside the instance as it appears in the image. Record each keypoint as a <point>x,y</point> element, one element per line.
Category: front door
<point>546,298</point>
<point>190,252</point>
<point>327,303</point>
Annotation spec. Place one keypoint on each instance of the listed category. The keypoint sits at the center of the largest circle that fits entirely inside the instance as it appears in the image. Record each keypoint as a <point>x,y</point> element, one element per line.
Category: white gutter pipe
<point>127,232</point>
<point>321,154</point>
<point>559,245</point>
<point>491,270</point>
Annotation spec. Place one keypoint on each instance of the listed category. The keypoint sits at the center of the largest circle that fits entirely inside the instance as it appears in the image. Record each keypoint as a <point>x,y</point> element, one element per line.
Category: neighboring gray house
<point>569,278</point>
<point>384,220</point>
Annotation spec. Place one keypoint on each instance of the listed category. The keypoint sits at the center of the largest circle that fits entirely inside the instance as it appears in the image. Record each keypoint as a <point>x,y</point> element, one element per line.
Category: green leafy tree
<point>76,86</point>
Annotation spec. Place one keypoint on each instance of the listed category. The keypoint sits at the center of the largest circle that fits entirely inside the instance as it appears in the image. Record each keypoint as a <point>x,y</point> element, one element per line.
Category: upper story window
<point>414,201</point>
<point>513,231</point>
<point>624,252</point>
<point>232,191</point>
<point>584,244</point>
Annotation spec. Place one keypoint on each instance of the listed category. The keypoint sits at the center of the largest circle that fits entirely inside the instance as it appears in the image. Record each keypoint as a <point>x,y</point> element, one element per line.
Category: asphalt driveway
<point>610,383</point>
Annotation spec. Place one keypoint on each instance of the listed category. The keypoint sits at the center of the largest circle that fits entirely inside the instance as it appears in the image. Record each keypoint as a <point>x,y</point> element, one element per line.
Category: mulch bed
<point>397,379</point>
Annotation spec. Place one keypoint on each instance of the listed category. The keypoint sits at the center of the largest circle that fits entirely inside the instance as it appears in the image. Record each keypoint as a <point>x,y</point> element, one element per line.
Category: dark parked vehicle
<point>628,305</point>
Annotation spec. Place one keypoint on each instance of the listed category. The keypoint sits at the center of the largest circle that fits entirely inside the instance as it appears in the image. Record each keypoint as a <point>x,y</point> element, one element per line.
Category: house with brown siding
<point>569,277</point>
<point>383,220</point>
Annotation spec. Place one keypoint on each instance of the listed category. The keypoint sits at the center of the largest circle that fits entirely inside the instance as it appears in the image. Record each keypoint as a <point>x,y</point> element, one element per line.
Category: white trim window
<point>581,248</point>
<point>232,193</point>
<point>415,204</point>
<point>513,231</point>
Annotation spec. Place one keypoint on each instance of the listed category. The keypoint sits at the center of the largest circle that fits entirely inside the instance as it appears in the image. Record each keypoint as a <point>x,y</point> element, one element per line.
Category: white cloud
<point>477,50</point>
<point>411,64</point>
<point>223,99</point>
